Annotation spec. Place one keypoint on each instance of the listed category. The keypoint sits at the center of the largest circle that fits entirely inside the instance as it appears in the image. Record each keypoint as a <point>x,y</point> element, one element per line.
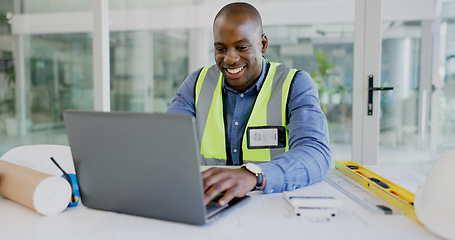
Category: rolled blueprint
<point>44,193</point>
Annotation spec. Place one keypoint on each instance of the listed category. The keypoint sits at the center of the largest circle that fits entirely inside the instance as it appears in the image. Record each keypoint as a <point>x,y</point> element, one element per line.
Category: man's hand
<point>231,182</point>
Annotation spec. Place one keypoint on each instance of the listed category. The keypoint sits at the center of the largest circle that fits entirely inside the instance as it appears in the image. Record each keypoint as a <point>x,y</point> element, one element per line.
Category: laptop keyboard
<point>213,207</point>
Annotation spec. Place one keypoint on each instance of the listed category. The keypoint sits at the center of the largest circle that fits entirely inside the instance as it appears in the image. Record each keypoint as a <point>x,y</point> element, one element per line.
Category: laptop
<point>144,164</point>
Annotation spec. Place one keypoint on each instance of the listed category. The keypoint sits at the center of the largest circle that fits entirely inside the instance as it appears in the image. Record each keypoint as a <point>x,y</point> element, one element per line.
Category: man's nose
<point>231,57</point>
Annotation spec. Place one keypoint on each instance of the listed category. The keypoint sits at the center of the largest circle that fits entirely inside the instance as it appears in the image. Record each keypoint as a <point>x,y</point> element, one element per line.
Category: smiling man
<point>239,45</point>
<point>260,115</point>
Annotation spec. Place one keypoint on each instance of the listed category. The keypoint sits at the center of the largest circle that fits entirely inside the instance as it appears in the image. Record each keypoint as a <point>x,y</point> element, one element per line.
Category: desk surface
<point>264,216</point>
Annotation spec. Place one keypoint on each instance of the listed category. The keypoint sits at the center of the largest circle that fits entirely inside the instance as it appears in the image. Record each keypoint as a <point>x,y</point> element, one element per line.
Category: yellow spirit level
<point>388,191</point>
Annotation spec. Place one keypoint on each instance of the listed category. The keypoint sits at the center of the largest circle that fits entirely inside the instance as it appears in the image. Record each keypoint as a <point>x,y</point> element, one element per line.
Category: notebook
<point>144,164</point>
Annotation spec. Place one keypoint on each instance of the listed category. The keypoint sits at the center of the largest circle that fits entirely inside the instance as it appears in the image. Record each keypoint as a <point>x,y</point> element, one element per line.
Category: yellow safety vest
<point>272,97</point>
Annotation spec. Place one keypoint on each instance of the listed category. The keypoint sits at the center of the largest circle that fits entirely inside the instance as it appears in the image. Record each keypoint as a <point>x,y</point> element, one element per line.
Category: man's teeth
<point>235,70</point>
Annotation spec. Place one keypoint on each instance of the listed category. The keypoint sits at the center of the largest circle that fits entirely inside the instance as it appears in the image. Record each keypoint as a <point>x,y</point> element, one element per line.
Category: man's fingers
<point>231,182</point>
<point>215,189</point>
<point>211,177</point>
<point>216,181</point>
<point>228,196</point>
<point>207,173</point>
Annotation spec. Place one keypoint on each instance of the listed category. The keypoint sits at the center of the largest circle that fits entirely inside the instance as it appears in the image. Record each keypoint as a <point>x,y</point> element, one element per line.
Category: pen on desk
<point>73,199</point>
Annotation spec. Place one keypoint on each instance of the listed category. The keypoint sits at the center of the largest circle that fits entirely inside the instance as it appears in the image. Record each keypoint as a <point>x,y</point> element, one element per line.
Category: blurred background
<point>46,65</point>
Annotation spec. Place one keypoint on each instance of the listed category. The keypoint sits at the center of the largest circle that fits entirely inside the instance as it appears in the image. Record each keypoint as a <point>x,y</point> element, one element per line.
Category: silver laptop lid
<point>144,164</point>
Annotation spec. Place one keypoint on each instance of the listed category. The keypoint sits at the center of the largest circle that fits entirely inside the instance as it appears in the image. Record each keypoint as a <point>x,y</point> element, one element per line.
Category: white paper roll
<point>41,192</point>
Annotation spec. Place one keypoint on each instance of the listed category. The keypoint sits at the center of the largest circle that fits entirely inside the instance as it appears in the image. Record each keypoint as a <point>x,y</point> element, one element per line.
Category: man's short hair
<point>240,8</point>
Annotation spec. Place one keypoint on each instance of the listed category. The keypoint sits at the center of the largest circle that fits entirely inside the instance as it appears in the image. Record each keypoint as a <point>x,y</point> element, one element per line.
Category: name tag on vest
<point>266,137</point>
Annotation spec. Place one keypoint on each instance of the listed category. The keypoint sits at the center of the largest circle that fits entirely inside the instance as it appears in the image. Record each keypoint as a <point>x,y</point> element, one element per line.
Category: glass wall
<point>7,70</point>
<point>43,74</point>
<point>147,68</point>
<point>170,64</point>
<point>325,51</point>
<point>446,85</point>
<point>58,73</point>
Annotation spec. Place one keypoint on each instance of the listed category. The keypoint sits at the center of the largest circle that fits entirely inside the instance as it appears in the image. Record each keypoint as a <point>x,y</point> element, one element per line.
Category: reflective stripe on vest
<point>272,97</point>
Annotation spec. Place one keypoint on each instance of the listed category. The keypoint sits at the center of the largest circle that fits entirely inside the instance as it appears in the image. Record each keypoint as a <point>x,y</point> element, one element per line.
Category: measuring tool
<point>381,187</point>
<point>360,195</point>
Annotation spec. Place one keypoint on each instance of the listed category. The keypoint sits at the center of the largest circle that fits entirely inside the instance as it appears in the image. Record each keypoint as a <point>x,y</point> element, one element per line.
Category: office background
<point>46,65</point>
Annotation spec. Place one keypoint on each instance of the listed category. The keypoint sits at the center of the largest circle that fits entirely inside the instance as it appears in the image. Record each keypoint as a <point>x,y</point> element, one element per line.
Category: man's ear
<point>265,43</point>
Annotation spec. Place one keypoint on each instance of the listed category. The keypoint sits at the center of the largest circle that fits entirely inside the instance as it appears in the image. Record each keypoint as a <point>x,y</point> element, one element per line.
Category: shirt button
<point>235,150</point>
<point>241,95</point>
<point>236,123</point>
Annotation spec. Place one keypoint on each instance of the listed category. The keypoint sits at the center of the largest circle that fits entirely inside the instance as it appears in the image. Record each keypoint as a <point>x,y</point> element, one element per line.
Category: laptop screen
<point>144,164</point>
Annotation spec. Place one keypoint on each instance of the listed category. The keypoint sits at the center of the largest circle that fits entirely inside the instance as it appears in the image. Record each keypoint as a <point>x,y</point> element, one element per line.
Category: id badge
<point>266,137</point>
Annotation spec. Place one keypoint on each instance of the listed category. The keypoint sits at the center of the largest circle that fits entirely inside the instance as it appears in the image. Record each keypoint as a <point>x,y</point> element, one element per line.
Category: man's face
<point>239,44</point>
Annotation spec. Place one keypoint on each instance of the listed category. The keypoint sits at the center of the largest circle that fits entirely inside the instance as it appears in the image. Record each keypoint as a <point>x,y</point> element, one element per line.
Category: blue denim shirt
<point>309,157</point>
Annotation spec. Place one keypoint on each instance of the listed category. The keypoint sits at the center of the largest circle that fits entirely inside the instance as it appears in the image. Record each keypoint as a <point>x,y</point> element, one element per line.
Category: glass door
<point>442,135</point>
<point>404,112</point>
<point>399,129</point>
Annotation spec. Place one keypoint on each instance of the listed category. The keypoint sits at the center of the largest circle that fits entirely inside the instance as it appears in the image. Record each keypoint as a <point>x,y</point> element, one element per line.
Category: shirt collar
<point>256,86</point>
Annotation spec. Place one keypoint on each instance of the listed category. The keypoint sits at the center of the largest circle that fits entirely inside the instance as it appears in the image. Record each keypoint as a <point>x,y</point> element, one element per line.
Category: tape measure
<point>388,191</point>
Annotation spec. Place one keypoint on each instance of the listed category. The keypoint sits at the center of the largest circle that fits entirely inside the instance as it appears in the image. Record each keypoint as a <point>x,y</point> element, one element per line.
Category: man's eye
<point>242,47</point>
<point>220,49</point>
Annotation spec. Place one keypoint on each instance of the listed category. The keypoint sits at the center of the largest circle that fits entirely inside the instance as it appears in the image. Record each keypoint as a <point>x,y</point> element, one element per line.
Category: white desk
<point>264,216</point>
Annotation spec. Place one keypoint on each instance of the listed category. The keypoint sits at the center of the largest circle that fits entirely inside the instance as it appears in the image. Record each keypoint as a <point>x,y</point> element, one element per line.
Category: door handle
<point>371,89</point>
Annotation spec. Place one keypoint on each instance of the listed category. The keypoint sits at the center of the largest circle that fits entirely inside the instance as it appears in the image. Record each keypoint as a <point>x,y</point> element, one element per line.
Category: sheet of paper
<point>404,178</point>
